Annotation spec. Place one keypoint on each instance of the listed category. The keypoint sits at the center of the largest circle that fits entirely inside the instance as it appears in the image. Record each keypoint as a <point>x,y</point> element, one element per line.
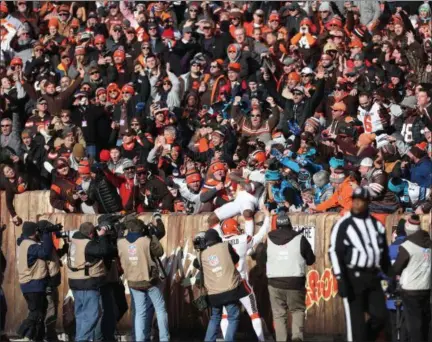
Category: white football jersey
<point>371,119</point>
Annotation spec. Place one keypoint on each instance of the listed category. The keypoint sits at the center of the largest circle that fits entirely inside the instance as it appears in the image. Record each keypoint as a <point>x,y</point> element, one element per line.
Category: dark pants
<point>392,327</point>
<point>3,311</point>
<point>365,295</point>
<point>33,326</point>
<point>418,315</point>
<point>52,297</point>
<point>105,329</point>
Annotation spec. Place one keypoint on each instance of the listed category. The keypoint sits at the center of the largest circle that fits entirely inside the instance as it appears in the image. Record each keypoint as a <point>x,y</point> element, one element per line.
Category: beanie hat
<point>417,152</point>
<point>283,221</point>
<point>234,67</point>
<point>53,22</point>
<point>84,167</point>
<point>396,184</point>
<point>337,176</point>
<point>368,162</point>
<point>128,88</point>
<point>80,50</point>
<point>313,122</point>
<point>294,76</point>
<point>212,235</point>
<point>321,178</point>
<point>325,6</point>
<point>119,53</point>
<point>412,225</point>
<point>168,34</point>
<point>272,175</point>
<point>400,228</point>
<point>193,177</point>
<point>29,228</point>
<point>104,156</point>
<point>78,151</point>
<point>335,162</point>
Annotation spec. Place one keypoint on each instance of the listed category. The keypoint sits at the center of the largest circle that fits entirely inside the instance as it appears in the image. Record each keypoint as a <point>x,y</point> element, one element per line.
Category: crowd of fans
<point>182,106</point>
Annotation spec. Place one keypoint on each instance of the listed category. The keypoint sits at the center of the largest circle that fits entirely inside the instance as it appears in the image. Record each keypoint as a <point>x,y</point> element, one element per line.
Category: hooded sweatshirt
<point>281,237</point>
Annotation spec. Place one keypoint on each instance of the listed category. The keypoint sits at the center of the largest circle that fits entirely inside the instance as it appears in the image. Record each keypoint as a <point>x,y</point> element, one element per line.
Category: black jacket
<point>97,249</point>
<point>281,237</point>
<point>300,112</point>
<point>86,118</point>
<point>215,47</point>
<point>105,195</point>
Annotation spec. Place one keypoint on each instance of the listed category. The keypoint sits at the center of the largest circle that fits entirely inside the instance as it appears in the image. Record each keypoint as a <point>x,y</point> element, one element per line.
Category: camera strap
<point>162,269</point>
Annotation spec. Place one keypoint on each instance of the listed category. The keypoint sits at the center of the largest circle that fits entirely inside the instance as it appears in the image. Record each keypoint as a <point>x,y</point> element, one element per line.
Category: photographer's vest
<point>35,272</point>
<point>220,273</point>
<point>417,274</point>
<point>53,264</point>
<point>285,260</point>
<point>78,268</point>
<point>136,260</point>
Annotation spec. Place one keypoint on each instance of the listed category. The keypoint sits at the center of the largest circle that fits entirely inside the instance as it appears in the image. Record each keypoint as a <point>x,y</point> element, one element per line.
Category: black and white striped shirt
<point>358,243</point>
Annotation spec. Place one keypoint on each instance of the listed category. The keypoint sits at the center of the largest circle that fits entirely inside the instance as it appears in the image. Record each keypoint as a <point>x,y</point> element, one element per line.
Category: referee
<point>358,251</point>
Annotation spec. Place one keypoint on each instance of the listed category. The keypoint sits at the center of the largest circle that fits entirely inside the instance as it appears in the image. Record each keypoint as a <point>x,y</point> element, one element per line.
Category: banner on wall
<point>308,232</point>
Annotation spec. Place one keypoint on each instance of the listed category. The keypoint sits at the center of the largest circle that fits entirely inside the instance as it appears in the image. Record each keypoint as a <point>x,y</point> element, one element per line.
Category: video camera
<point>199,242</point>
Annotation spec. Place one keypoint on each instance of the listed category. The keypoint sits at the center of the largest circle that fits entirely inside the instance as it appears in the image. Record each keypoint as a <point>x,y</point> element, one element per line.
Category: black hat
<point>361,193</point>
<point>44,224</point>
<point>29,228</point>
<point>283,222</point>
<point>212,236</point>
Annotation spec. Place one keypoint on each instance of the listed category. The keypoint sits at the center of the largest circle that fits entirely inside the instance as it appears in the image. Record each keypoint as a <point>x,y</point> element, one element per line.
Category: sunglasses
<point>65,115</point>
<point>99,44</point>
<point>167,83</point>
<point>117,30</point>
<point>152,28</point>
<point>63,14</point>
<point>94,72</point>
<point>259,15</point>
<point>64,57</point>
<point>38,50</point>
<point>297,94</point>
<point>206,28</point>
<point>135,124</point>
<point>5,125</point>
<point>126,93</point>
<point>213,66</point>
<point>61,167</point>
<point>145,48</point>
<point>113,91</point>
<point>255,116</point>
<point>193,10</point>
<point>274,21</point>
<point>132,168</point>
<point>232,51</point>
<point>85,88</point>
<point>42,104</point>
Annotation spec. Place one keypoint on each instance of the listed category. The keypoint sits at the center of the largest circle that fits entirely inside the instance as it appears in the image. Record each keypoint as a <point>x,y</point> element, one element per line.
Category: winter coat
<point>105,195</point>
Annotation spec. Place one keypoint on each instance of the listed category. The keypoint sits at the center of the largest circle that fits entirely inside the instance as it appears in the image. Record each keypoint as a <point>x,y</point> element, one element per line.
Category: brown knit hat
<point>78,151</point>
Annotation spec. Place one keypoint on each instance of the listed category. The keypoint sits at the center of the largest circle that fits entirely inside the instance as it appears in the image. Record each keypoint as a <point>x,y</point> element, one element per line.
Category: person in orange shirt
<point>342,197</point>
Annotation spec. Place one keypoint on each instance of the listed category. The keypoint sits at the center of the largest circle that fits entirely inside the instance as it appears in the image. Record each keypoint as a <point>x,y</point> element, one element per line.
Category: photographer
<point>137,251</point>
<point>222,282</point>
<point>54,280</point>
<point>86,272</point>
<point>33,278</point>
<point>413,264</point>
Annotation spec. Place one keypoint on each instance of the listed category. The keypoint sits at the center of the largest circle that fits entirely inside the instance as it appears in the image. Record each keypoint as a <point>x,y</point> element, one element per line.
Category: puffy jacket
<point>421,173</point>
<point>105,195</point>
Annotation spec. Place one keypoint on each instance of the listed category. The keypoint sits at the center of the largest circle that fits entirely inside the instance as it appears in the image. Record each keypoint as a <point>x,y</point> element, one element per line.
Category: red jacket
<point>127,190</point>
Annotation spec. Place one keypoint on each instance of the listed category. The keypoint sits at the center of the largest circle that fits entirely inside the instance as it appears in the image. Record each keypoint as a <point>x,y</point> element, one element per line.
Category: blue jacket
<point>37,251</point>
<point>393,253</point>
<point>421,173</point>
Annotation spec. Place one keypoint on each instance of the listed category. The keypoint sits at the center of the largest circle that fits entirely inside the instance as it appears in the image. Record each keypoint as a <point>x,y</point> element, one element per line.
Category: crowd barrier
<point>324,308</point>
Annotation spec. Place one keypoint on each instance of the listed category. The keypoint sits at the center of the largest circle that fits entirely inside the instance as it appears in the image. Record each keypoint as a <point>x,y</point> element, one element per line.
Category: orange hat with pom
<point>53,22</point>
<point>294,76</point>
<point>119,53</point>
<point>127,88</point>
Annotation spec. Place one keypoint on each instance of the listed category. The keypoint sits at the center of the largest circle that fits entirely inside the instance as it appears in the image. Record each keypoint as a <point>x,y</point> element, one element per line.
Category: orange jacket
<point>341,198</point>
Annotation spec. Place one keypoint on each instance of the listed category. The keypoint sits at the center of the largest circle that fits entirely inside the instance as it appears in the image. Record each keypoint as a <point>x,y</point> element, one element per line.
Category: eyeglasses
<point>5,125</point>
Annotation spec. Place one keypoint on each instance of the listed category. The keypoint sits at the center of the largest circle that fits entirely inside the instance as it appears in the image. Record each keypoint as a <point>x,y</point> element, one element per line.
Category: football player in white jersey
<point>374,117</point>
<point>243,244</point>
<point>250,185</point>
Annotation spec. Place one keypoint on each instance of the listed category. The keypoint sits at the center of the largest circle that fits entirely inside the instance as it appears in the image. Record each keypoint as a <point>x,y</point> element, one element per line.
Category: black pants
<point>392,328</point>
<point>365,295</point>
<point>33,326</point>
<point>418,315</point>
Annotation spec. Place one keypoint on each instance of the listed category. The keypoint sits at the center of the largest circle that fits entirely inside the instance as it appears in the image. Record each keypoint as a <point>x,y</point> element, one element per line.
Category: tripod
<point>398,305</point>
